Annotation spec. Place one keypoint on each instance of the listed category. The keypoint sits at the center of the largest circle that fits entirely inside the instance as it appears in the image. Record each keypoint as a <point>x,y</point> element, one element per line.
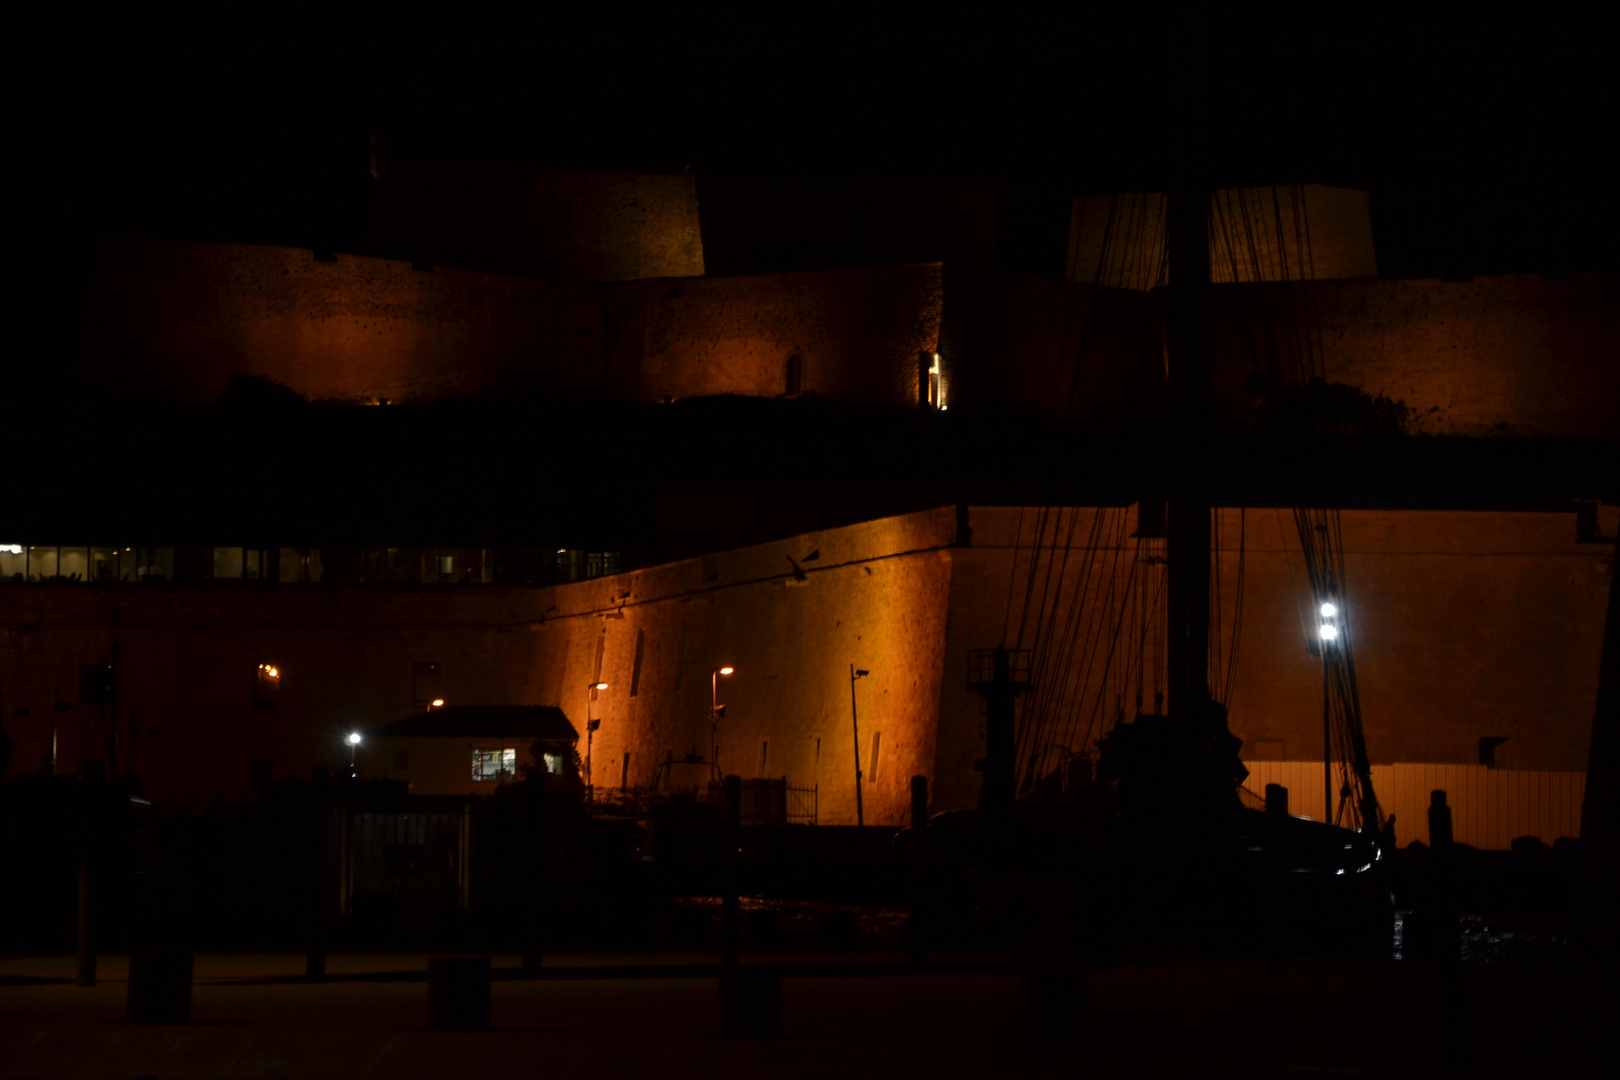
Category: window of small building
<point>495,765</point>
<point>553,763</point>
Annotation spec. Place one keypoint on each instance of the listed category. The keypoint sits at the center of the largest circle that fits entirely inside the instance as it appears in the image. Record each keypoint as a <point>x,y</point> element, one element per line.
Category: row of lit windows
<point>30,563</point>
<point>499,766</point>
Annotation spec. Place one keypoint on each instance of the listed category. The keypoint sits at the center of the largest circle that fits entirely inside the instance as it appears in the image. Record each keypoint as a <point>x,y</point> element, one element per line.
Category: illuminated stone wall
<point>1520,355</point>
<point>188,661</point>
<point>873,595</point>
<point>856,333</point>
<point>1495,356</point>
<point>175,321</point>
<point>1467,625</point>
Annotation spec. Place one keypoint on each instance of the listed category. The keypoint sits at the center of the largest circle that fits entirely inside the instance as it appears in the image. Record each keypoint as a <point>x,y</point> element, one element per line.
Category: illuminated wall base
<point>1490,808</point>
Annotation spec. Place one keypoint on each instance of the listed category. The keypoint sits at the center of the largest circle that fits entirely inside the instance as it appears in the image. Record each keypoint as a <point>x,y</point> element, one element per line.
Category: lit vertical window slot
<point>930,381</point>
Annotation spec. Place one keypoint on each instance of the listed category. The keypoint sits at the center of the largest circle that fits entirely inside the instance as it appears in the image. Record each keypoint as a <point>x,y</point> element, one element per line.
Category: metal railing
<point>803,805</point>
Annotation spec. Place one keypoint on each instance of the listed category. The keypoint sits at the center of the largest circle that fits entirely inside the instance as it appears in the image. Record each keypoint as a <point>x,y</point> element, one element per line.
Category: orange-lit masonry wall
<point>176,321</point>
<point>173,320</point>
<point>1516,355</point>
<point>1467,625</point>
<point>1490,807</point>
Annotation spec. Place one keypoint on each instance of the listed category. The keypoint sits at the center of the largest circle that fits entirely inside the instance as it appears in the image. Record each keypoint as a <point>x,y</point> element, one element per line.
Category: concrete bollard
<point>458,993</point>
<point>159,986</point>
<point>751,1002</point>
<point>1054,1010</point>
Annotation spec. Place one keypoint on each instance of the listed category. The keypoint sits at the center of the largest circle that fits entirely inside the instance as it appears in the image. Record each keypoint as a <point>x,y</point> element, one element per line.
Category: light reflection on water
<point>1484,940</point>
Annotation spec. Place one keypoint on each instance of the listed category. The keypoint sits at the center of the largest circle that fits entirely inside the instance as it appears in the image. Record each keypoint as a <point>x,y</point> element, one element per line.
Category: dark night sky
<point>1486,138</point>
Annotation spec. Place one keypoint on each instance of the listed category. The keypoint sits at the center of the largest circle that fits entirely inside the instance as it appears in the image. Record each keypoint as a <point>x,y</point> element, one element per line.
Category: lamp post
<point>353,740</point>
<point>855,723</point>
<point>590,731</point>
<point>1328,636</point>
<point>714,719</point>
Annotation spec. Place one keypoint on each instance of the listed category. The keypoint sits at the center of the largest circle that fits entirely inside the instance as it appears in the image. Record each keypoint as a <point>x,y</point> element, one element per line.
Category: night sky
<point>1486,137</point>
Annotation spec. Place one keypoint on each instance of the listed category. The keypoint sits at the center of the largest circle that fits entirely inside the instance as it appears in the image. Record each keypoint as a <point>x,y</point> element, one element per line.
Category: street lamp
<point>715,712</point>
<point>590,730</point>
<point>855,723</point>
<point>1327,632</point>
<point>353,740</point>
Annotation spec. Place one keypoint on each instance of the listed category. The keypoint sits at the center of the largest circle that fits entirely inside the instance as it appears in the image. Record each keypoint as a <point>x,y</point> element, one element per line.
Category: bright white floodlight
<point>1329,609</point>
<point>354,738</point>
<point>1329,631</point>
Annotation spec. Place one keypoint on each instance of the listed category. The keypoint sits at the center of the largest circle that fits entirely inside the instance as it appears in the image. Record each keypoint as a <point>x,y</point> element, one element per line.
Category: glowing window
<point>496,765</point>
<point>930,381</point>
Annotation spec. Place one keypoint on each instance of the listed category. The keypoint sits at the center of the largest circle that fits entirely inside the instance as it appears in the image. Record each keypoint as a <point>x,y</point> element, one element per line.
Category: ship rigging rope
<point>1285,333</point>
<point>1087,623</point>
<point>1091,627</point>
